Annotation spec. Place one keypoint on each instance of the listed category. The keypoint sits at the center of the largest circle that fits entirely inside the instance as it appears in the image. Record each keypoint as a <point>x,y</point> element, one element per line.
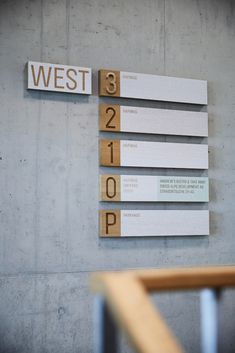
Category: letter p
<point>110,220</point>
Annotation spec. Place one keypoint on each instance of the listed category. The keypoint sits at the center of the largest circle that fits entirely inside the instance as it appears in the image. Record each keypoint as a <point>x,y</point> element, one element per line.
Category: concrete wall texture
<point>49,169</point>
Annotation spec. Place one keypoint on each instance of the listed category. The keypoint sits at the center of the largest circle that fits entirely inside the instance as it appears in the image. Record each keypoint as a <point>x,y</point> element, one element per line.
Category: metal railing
<point>122,301</point>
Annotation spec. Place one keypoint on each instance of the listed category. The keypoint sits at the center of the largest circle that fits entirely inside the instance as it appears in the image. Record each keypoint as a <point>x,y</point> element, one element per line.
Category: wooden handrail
<point>187,278</point>
<point>131,308</point>
<point>126,296</point>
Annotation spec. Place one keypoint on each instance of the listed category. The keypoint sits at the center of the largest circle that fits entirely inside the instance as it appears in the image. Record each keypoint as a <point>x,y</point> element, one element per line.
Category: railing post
<point>209,320</point>
<point>105,330</point>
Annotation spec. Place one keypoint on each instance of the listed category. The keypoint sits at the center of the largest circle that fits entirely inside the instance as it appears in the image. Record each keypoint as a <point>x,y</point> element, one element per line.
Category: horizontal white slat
<point>163,88</point>
<point>163,155</point>
<point>163,121</point>
<point>137,223</point>
<point>163,188</point>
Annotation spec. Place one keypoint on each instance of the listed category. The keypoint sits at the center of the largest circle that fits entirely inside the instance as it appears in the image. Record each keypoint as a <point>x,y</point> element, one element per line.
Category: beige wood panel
<point>109,83</point>
<point>110,153</point>
<point>109,117</point>
<point>110,223</point>
<point>110,187</point>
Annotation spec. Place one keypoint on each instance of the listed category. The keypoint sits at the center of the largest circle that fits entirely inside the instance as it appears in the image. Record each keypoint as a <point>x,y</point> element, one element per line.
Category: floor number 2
<point>113,113</point>
<point>109,117</point>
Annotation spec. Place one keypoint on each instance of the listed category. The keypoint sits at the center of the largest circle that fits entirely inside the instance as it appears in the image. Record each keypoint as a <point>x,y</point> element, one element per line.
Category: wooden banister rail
<point>125,294</point>
<point>187,278</point>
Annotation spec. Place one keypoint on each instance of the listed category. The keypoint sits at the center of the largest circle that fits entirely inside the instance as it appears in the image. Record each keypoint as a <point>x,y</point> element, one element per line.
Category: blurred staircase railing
<point>122,301</point>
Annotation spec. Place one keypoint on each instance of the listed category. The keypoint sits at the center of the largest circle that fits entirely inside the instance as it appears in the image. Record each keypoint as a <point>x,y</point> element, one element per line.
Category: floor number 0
<point>111,187</point>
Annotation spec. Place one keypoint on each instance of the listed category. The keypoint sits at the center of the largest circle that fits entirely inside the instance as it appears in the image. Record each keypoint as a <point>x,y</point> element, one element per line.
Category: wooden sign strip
<point>59,78</point>
<point>118,118</point>
<point>140,223</point>
<point>143,188</point>
<point>131,153</point>
<point>153,87</point>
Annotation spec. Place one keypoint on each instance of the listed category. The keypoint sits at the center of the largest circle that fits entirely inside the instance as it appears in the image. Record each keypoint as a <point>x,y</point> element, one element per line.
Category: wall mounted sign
<point>137,223</point>
<point>118,118</point>
<point>143,188</point>
<point>59,78</point>
<point>152,87</point>
<point>129,153</point>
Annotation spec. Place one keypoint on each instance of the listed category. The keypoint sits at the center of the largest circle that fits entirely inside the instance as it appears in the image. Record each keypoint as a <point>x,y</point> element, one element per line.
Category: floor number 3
<point>111,83</point>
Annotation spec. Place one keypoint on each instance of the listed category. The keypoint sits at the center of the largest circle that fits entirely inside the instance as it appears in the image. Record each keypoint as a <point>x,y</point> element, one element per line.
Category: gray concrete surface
<point>49,162</point>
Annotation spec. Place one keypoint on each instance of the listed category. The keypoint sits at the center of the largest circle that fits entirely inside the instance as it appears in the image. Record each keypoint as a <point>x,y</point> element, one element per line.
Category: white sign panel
<point>152,87</point>
<point>143,188</point>
<point>163,155</point>
<point>130,153</point>
<point>163,88</point>
<point>163,121</point>
<point>140,223</point>
<point>59,78</point>
<point>116,118</point>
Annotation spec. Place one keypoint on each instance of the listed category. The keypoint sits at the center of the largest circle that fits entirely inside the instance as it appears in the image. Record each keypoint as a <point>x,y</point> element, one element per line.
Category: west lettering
<point>74,86</point>
<point>84,72</point>
<point>56,77</point>
<point>41,73</point>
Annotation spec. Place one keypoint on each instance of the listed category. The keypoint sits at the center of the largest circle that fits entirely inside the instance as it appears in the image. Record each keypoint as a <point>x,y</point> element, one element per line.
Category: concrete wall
<point>49,170</point>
